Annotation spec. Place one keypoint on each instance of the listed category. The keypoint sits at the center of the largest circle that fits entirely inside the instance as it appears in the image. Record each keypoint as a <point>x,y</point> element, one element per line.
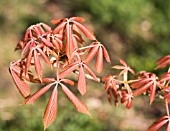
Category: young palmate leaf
<point>68,28</point>
<point>99,49</point>
<point>81,78</point>
<point>149,83</point>
<point>126,99</point>
<point>73,20</point>
<point>124,67</point>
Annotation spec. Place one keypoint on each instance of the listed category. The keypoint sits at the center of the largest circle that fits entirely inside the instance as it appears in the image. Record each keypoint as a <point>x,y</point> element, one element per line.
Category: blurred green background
<point>136,30</point>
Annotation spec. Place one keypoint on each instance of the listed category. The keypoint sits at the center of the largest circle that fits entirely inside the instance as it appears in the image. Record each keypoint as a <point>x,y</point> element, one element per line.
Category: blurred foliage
<point>29,118</point>
<point>135,30</point>
<point>142,28</point>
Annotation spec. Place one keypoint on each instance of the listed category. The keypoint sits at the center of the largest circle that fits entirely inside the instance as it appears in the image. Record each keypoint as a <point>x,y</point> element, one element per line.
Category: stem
<point>89,77</point>
<point>167,108</point>
<point>125,76</point>
<point>125,79</point>
<point>86,47</point>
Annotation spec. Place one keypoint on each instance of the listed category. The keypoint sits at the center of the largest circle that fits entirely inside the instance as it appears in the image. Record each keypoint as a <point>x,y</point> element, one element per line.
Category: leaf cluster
<point>68,48</point>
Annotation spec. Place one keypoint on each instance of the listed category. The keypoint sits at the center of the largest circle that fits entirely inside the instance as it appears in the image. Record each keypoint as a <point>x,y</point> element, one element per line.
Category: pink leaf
<point>51,109</point>
<point>99,61</point>
<point>81,107</point>
<point>56,44</point>
<point>20,84</point>
<point>91,54</point>
<point>40,29</point>
<point>69,41</point>
<point>36,30</point>
<point>58,21</point>
<point>81,81</point>
<point>25,49</point>
<point>60,27</point>
<point>44,56</point>
<point>142,89</point>
<point>163,62</point>
<point>78,19</point>
<point>123,62</point>
<point>26,34</point>
<point>31,99</point>
<point>106,55</point>
<point>70,82</point>
<point>46,42</point>
<point>38,66</point>
<point>78,36</point>
<point>152,94</point>
<point>165,77</point>
<point>90,72</point>
<point>67,71</point>
<point>28,61</point>
<point>158,124</point>
<point>139,83</point>
<point>87,33</point>
<point>48,28</point>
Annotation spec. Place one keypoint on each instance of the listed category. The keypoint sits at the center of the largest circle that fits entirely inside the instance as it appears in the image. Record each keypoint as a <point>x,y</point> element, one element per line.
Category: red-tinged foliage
<point>81,107</point>
<point>51,109</point>
<point>147,84</point>
<point>38,67</point>
<point>44,56</point>
<point>81,81</point>
<point>113,95</point>
<point>165,77</point>
<point>69,69</point>
<point>125,68</point>
<point>91,54</point>
<point>126,99</point>
<point>81,77</point>
<point>31,99</point>
<point>114,91</point>
<point>167,96</point>
<point>97,48</point>
<point>159,123</point>
<point>110,81</point>
<point>78,19</point>
<point>70,47</point>
<point>58,21</point>
<point>69,40</point>
<point>66,25</point>
<point>56,40</point>
<point>163,62</point>
<point>86,31</point>
<point>166,91</point>
<point>20,84</point>
<point>99,61</point>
